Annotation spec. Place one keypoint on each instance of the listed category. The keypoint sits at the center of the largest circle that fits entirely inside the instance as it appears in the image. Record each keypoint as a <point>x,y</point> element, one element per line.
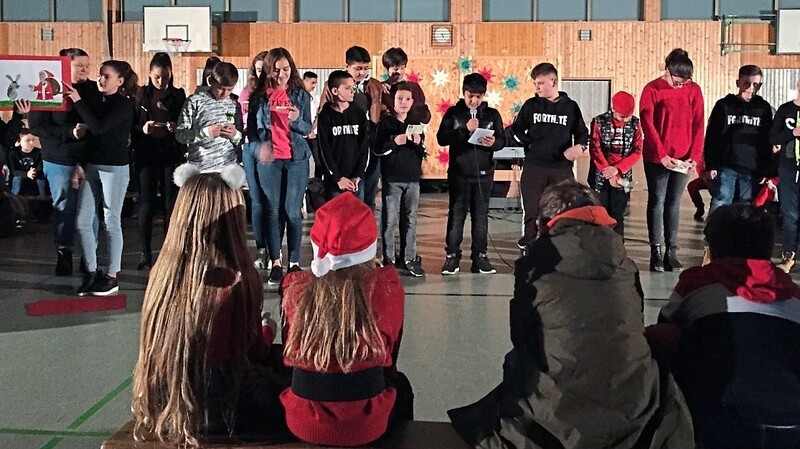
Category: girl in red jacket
<point>201,325</point>
<point>672,115</point>
<point>342,326</point>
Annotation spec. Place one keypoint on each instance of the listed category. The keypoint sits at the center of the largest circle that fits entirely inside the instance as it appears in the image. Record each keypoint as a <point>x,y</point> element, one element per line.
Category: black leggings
<point>152,181</point>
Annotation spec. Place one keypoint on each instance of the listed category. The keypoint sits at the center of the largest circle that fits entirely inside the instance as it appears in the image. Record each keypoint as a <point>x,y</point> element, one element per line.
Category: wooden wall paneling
<point>512,39</point>
<point>651,10</point>
<point>236,38</point>
<point>286,11</point>
<point>466,11</point>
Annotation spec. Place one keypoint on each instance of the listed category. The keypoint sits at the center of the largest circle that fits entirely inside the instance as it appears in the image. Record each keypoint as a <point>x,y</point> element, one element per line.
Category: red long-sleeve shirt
<point>672,121</point>
<point>602,160</point>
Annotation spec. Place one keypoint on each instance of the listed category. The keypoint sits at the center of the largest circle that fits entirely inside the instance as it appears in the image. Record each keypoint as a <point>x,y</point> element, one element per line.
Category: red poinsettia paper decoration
<point>443,106</point>
<point>414,77</point>
<point>486,73</point>
<point>443,157</point>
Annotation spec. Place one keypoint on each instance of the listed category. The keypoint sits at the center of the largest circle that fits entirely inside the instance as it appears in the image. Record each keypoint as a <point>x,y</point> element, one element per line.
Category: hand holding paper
<point>477,137</point>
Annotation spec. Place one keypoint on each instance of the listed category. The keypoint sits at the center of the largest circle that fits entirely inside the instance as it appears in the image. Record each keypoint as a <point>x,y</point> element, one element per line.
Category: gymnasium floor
<point>66,379</point>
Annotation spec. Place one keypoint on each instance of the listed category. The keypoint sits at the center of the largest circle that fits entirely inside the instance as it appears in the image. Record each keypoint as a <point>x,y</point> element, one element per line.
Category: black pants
<point>532,183</point>
<point>664,190</point>
<point>153,180</point>
<point>615,200</point>
<point>468,196</point>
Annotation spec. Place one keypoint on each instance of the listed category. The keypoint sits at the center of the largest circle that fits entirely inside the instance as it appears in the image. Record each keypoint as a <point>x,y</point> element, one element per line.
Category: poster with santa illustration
<point>38,79</point>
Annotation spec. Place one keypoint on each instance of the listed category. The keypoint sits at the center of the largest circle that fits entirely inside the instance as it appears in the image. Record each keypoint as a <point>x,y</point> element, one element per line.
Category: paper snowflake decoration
<point>516,107</point>
<point>528,71</point>
<point>443,106</point>
<point>465,63</point>
<point>440,78</point>
<point>487,74</point>
<point>384,77</point>
<point>510,82</point>
<point>494,98</point>
<point>443,157</point>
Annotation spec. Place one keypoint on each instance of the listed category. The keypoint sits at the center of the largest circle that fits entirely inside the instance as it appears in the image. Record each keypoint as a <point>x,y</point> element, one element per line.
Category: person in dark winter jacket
<point>615,146</point>
<point>470,174</point>
<point>731,332</point>
<point>580,374</point>
<point>156,152</point>
<point>401,156</point>
<point>65,140</point>
<point>551,128</point>
<point>785,132</point>
<point>342,133</point>
<point>25,163</point>
<point>737,143</point>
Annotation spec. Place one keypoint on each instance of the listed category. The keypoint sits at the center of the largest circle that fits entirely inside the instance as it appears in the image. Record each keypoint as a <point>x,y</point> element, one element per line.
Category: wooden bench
<point>407,435</point>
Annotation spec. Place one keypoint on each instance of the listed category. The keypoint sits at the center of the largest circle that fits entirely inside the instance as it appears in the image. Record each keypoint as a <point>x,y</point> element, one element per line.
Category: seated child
<point>736,340</point>
<point>342,326</point>
<point>25,165</point>
<point>580,374</point>
<point>401,157</point>
<point>201,330</point>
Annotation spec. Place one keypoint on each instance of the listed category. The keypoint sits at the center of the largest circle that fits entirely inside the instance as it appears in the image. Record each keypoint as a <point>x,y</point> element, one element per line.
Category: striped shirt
<point>200,111</point>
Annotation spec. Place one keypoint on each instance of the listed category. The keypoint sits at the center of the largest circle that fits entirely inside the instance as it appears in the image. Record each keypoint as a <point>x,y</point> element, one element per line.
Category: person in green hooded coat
<point>580,374</point>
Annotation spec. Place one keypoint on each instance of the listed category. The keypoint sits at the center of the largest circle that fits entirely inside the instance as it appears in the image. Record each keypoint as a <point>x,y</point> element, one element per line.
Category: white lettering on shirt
<point>744,120</point>
<point>340,130</point>
<point>539,117</point>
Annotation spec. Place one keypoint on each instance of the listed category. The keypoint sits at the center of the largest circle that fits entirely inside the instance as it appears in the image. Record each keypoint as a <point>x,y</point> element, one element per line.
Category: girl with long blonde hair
<point>201,317</point>
<point>342,326</point>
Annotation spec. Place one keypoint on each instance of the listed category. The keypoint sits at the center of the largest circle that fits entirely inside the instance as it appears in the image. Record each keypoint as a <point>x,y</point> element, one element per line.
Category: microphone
<point>473,113</point>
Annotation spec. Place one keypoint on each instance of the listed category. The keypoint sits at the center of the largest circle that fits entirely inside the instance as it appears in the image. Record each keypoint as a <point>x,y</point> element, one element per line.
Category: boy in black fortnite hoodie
<point>551,128</point>
<point>401,155</point>
<point>343,141</point>
<point>737,148</point>
<point>785,132</point>
<point>471,173</point>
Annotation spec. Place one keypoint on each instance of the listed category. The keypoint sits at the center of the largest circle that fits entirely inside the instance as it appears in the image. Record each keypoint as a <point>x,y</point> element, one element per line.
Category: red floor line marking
<point>76,305</point>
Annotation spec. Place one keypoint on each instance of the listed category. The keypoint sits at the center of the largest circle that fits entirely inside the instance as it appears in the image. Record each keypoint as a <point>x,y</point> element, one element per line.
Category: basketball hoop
<point>175,45</point>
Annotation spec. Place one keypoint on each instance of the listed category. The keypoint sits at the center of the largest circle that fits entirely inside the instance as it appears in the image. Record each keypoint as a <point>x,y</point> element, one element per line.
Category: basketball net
<point>175,45</point>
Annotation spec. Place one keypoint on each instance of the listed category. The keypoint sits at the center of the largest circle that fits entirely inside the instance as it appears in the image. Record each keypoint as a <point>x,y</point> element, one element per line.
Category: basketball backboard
<point>188,23</point>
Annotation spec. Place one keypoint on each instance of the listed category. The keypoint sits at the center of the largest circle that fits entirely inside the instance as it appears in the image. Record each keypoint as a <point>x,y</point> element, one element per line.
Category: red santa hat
<point>344,234</point>
<point>48,74</point>
<point>623,103</point>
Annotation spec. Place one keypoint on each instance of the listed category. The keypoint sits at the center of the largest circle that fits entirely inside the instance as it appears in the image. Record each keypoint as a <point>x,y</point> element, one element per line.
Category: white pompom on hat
<point>344,234</point>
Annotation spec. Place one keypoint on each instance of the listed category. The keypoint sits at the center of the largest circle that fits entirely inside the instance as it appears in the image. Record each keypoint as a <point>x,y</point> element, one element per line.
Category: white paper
<point>682,167</point>
<point>415,129</point>
<point>479,134</point>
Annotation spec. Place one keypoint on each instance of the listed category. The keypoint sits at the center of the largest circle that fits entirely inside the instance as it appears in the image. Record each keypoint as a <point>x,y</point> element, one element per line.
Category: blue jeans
<point>65,201</point>
<point>370,186</point>
<point>105,187</point>
<point>284,183</point>
<point>400,201</point>
<point>724,189</point>
<point>788,194</point>
<point>664,190</point>
<point>17,182</point>
<point>257,198</point>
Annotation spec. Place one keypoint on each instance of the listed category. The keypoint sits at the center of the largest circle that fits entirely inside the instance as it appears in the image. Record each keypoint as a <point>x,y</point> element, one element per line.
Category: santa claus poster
<point>38,79</point>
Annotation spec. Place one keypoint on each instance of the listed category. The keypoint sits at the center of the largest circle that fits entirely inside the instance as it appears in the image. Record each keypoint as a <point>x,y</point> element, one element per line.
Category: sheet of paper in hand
<point>415,129</point>
<point>39,79</point>
<point>682,167</point>
<point>479,134</point>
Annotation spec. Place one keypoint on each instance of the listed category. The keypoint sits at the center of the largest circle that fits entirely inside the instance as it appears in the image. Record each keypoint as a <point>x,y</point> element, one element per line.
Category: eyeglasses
<point>679,81</point>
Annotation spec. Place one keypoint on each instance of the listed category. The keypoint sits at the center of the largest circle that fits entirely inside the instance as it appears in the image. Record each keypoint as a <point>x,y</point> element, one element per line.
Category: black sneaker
<point>656,259</point>
<point>671,260</point>
<point>86,285</point>
<point>104,285</point>
<point>451,265</point>
<point>481,264</point>
<point>400,265</point>
<point>275,275</point>
<point>145,261</point>
<point>698,214</point>
<point>64,262</point>
<point>414,267</point>
<point>293,269</point>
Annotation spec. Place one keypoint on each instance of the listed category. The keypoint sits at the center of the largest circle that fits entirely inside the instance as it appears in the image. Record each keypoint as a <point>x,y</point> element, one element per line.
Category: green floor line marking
<point>89,413</point>
<point>55,433</point>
